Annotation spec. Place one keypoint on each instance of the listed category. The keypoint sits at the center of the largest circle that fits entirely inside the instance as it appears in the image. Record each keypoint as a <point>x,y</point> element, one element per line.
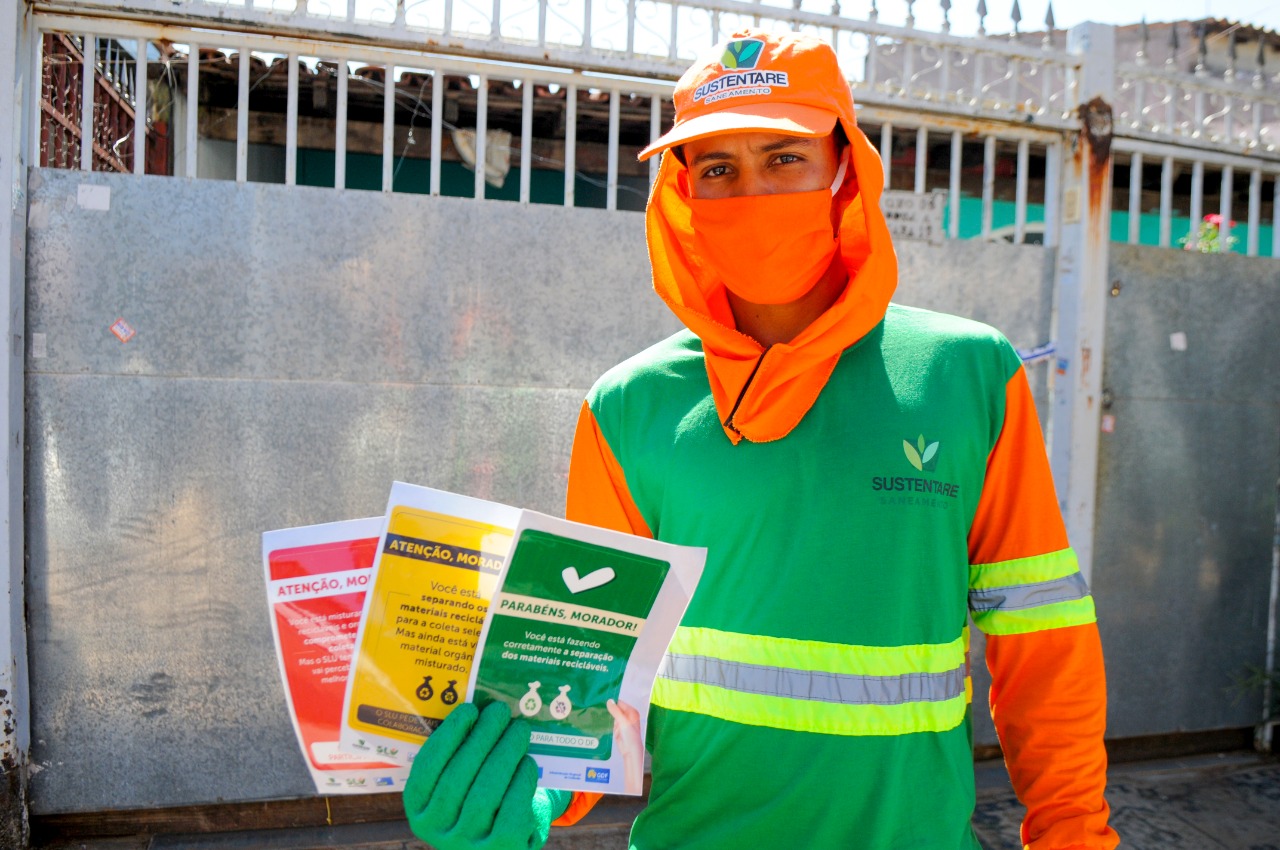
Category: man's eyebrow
<point>789,142</point>
<point>710,155</point>
<point>771,147</point>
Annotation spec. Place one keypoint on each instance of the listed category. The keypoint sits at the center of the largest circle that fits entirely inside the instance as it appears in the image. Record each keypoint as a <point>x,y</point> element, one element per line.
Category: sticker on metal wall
<point>90,197</point>
<point>123,330</point>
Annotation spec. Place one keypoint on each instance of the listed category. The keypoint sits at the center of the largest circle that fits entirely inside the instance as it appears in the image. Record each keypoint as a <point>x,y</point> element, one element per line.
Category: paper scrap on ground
<point>316,579</point>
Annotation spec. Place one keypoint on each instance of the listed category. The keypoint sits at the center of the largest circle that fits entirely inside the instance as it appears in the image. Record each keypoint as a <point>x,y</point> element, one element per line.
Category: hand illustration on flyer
<point>573,641</point>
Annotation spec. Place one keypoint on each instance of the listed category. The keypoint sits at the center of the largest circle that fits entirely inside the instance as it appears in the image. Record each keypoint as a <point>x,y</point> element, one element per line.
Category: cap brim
<point>792,119</point>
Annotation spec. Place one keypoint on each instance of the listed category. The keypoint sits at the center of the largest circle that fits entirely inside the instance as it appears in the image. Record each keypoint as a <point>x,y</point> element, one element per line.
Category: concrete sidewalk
<point>1229,801</point>
<point>1214,802</point>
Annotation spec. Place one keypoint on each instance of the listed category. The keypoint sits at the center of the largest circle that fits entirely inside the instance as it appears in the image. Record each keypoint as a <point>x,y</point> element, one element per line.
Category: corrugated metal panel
<point>287,367</point>
<point>1186,502</point>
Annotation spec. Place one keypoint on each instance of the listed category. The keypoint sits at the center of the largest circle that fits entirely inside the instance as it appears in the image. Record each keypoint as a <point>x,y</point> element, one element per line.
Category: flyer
<point>437,564</point>
<point>573,641</point>
<point>316,579</point>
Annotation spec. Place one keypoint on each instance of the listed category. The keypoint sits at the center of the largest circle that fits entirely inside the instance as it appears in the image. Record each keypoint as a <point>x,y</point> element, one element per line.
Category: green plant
<point>1208,238</point>
<point>1251,683</point>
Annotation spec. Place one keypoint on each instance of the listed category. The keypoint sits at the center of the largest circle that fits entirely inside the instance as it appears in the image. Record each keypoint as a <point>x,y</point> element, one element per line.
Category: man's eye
<point>787,158</point>
<point>716,171</point>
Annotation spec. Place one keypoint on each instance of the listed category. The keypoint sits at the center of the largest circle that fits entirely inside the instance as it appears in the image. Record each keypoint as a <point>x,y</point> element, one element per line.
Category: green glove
<point>473,785</point>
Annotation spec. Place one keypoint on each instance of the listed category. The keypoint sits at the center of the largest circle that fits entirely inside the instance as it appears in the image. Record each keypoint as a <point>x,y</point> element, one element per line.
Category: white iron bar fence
<point>253,63</point>
<point>1217,103</point>
<point>1215,181</point>
<point>1000,77</point>
<point>1000,177</point>
<point>972,160</point>
<point>403,78</point>
<point>1240,115</point>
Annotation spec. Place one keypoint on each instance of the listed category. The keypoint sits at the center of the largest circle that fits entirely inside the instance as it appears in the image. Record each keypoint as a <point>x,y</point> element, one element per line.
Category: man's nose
<point>752,182</point>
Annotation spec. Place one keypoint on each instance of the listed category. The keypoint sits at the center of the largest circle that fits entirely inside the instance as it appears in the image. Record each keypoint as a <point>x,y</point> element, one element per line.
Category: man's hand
<point>626,739</point>
<point>474,786</point>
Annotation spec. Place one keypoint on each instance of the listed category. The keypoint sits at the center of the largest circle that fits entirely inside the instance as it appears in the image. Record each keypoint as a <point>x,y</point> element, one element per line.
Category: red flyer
<point>316,580</point>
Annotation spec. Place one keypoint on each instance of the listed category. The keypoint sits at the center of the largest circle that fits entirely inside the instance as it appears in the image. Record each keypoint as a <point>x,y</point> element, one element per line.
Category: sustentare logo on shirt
<point>741,76</point>
<point>923,456</point>
<point>924,490</point>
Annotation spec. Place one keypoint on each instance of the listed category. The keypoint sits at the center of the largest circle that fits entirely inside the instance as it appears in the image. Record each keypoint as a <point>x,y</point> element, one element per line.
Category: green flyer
<point>573,640</point>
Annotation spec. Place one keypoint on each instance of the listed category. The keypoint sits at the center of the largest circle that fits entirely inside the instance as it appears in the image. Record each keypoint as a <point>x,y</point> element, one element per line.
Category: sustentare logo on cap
<point>741,76</point>
<point>742,54</point>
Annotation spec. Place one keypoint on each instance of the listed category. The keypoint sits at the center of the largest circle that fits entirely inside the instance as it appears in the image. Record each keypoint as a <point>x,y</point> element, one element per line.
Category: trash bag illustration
<point>531,703</point>
<point>560,706</point>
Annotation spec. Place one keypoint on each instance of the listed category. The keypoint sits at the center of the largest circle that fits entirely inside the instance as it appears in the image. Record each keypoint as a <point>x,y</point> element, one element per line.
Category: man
<point>864,476</point>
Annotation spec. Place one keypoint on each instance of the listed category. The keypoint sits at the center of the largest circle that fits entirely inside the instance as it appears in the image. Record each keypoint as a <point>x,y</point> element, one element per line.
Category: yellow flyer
<point>437,566</point>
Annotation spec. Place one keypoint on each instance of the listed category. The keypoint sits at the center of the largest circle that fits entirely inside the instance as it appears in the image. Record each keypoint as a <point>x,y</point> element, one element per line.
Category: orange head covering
<point>782,83</point>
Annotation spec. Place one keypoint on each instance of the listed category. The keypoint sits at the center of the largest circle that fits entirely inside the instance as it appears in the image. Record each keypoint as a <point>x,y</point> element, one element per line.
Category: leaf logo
<point>744,53</point>
<point>922,456</point>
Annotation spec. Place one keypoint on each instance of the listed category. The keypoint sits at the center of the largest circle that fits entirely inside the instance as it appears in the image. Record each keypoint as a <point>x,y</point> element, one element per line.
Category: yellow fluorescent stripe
<point>968,690</point>
<point>1073,612</point>
<point>808,715</point>
<point>818,655</point>
<point>1024,570</point>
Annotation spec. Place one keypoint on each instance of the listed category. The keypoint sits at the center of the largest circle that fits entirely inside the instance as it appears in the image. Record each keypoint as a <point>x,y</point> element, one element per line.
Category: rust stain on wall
<point>1096,125</point>
<point>13,817</point>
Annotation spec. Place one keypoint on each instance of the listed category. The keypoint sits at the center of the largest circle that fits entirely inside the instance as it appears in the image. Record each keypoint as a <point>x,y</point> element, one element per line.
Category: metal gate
<point>283,352</point>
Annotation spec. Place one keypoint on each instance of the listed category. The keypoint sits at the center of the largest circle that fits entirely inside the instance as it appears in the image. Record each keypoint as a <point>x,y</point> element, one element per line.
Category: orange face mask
<point>768,249</point>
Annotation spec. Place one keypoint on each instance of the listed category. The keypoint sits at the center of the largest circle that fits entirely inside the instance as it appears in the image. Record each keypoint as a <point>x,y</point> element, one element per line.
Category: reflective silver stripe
<point>1015,597</point>
<point>842,688</point>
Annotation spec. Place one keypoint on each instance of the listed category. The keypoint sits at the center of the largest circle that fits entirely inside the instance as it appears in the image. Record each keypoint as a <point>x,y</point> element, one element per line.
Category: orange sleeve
<point>598,495</point>
<point>1048,692</point>
<point>1049,704</point>
<point>1017,514</point>
<point>581,803</point>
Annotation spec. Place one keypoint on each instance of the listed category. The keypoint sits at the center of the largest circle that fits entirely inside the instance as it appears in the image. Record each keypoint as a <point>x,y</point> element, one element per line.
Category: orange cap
<point>764,81</point>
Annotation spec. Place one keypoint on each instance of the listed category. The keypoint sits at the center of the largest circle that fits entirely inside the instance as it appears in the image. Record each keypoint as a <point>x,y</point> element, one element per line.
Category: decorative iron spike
<point>946,15</point>
<point>1173,45</point>
<point>1049,22</point>
<point>1016,15</point>
<point>1204,48</point>
<point>911,16</point>
<point>835,8</point>
<point>1259,74</point>
<point>1146,40</point>
<point>1231,56</point>
<point>874,13</point>
<point>982,17</point>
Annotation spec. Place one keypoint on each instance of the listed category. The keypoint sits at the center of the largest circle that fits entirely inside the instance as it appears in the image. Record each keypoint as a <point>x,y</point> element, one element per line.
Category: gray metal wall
<point>297,350</point>
<point>1187,482</point>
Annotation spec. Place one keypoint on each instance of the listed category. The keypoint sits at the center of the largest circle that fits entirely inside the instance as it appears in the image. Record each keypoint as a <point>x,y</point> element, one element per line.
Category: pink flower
<point>1216,220</point>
